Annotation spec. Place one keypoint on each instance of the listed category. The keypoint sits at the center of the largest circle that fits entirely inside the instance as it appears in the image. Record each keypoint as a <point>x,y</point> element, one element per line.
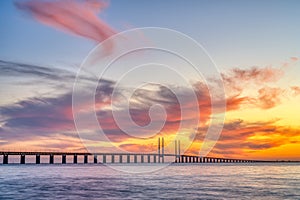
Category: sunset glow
<point>38,69</point>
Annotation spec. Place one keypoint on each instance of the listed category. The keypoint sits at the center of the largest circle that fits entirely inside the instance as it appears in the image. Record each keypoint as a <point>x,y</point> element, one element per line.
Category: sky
<point>254,44</point>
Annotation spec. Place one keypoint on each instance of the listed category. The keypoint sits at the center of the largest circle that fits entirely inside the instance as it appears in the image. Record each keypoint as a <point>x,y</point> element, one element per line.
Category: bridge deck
<point>143,157</point>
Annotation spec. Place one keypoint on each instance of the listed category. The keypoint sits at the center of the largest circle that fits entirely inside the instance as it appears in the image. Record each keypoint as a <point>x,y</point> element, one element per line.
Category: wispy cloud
<point>14,69</point>
<point>236,79</point>
<point>79,17</point>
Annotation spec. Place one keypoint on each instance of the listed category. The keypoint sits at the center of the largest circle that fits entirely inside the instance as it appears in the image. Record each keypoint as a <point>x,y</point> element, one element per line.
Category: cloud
<point>79,17</point>
<point>239,136</point>
<point>294,59</point>
<point>236,79</point>
<point>14,69</point>
<point>235,102</point>
<point>51,117</point>
<point>254,87</point>
<point>295,90</point>
<point>47,115</point>
<point>269,97</point>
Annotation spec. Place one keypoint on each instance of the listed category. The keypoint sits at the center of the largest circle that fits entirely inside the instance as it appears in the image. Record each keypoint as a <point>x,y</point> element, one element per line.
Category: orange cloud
<point>239,137</point>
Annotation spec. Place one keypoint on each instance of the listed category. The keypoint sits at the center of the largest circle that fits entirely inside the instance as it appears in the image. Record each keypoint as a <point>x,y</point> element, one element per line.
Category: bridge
<point>158,157</point>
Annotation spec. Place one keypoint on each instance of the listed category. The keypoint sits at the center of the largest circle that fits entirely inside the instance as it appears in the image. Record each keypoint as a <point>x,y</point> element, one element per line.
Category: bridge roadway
<point>137,157</point>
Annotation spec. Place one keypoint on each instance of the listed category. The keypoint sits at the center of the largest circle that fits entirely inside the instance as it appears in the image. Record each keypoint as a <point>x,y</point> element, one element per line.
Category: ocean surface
<point>177,181</point>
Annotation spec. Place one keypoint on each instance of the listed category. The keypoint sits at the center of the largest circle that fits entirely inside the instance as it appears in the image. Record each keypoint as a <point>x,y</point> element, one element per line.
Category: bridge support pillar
<point>86,159</point>
<point>75,159</point>
<point>104,158</point>
<point>22,159</point>
<point>5,159</point>
<point>128,158</point>
<point>112,158</point>
<point>51,159</point>
<point>154,158</point>
<point>95,159</point>
<point>135,158</point>
<point>149,159</point>
<point>64,159</point>
<point>37,159</point>
<point>120,158</point>
<point>142,158</point>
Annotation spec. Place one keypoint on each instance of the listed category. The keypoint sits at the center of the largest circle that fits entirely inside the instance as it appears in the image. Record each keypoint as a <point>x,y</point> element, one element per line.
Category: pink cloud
<point>236,79</point>
<point>77,17</point>
<point>269,97</point>
<point>295,59</point>
<point>295,90</point>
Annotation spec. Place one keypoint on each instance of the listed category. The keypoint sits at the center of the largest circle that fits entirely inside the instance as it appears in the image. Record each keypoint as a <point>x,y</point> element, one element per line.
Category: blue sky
<point>235,33</point>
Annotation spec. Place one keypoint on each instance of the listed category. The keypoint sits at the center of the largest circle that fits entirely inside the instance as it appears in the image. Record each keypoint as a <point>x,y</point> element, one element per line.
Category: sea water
<point>176,181</point>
